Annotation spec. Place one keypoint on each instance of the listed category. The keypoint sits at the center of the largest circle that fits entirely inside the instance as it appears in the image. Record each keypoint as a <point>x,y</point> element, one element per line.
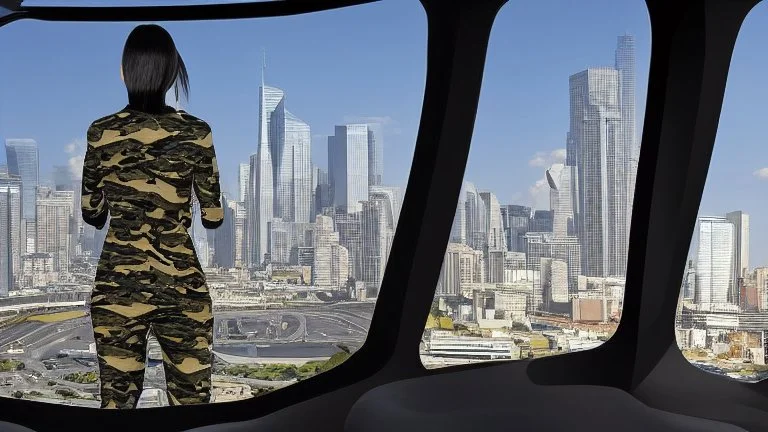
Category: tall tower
<point>348,167</point>
<point>23,162</point>
<point>625,64</point>
<point>375,154</point>
<point>260,191</point>
<point>714,262</point>
<point>740,221</point>
<point>601,161</point>
<point>242,181</point>
<point>290,145</point>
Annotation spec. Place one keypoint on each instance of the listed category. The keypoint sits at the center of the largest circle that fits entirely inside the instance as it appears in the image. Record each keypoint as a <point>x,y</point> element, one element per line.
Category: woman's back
<point>147,165</point>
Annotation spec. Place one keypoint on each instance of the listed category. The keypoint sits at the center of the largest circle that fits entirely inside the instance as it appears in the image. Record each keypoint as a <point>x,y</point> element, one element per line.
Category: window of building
<point>722,315</point>
<point>295,269</point>
<point>536,261</point>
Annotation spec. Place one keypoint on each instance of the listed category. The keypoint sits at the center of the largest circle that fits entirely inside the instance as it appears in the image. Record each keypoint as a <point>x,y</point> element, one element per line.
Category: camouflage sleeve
<point>93,201</point>
<point>207,186</point>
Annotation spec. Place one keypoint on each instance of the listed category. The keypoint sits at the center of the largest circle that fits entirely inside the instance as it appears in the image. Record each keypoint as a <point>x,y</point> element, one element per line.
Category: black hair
<point>151,65</point>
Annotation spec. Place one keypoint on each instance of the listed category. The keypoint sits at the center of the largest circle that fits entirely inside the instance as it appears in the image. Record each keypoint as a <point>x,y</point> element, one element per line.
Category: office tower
<point>375,154</point>
<point>554,280</point>
<point>322,191</point>
<point>261,180</point>
<point>54,213</point>
<point>516,221</point>
<point>542,221</point>
<point>348,167</point>
<point>242,181</point>
<point>349,227</point>
<point>625,65</point>
<point>493,225</point>
<point>290,147</point>
<point>740,221</point>
<point>23,161</point>
<point>462,266</point>
<point>224,250</point>
<point>10,241</point>
<point>286,238</point>
<point>394,195</point>
<point>714,262</point>
<point>602,167</point>
<point>469,225</point>
<point>761,284</point>
<point>331,260</point>
<point>545,245</point>
<point>240,234</point>
<point>378,222</point>
<point>563,199</point>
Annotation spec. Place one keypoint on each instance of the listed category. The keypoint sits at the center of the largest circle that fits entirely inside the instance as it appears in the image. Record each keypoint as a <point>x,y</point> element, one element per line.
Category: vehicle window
<point>536,261</point>
<point>313,151</point>
<point>721,318</point>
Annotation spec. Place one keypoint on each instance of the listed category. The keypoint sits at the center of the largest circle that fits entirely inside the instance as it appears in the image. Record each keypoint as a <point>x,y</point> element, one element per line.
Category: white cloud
<point>543,159</point>
<point>539,194</point>
<point>761,173</point>
<point>76,151</point>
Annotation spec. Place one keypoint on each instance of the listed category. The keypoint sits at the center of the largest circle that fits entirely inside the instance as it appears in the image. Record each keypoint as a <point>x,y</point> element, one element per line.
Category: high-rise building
<point>290,147</point>
<point>322,196</point>
<point>239,241</point>
<point>348,167</point>
<point>23,161</point>
<point>394,196</point>
<point>260,197</point>
<point>375,154</point>
<point>242,181</point>
<point>740,221</point>
<point>10,242</point>
<point>516,221</point>
<point>625,64</point>
<point>542,221</point>
<point>469,224</point>
<point>597,136</point>
<point>714,262</point>
<point>462,266</point>
<point>493,225</point>
<point>563,199</point>
<point>546,245</point>
<point>331,260</point>
<point>378,223</point>
<point>54,214</point>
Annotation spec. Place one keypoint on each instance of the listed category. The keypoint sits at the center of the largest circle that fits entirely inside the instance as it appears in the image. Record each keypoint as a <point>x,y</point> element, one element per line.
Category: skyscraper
<point>348,167</point>
<point>242,181</point>
<point>290,147</point>
<point>54,213</point>
<point>10,242</point>
<point>714,262</point>
<point>516,220</point>
<point>563,199</point>
<point>375,154</point>
<point>740,221</point>
<point>602,166</point>
<point>23,162</point>
<point>625,64</point>
<point>493,225</point>
<point>261,180</point>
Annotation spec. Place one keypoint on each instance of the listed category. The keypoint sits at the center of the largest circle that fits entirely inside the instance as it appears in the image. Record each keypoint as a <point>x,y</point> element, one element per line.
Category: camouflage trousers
<point>176,306</point>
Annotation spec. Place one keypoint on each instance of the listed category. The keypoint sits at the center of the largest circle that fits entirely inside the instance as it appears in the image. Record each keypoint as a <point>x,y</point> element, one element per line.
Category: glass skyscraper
<point>23,161</point>
<point>714,261</point>
<point>348,167</point>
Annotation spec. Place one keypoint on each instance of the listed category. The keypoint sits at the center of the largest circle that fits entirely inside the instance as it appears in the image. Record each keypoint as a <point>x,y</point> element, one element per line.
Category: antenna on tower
<point>263,64</point>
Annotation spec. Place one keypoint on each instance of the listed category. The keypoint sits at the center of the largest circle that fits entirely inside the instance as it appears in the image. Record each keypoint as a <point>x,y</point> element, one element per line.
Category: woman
<point>141,166</point>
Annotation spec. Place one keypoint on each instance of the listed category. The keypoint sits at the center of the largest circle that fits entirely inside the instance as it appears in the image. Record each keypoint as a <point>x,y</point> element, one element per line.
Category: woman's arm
<point>206,183</point>
<point>93,201</point>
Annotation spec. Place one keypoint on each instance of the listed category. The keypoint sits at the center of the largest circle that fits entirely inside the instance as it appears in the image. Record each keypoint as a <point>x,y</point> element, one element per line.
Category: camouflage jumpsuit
<point>141,169</point>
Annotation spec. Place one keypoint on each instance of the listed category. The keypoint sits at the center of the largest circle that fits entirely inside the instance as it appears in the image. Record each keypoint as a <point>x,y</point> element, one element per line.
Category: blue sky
<point>369,62</point>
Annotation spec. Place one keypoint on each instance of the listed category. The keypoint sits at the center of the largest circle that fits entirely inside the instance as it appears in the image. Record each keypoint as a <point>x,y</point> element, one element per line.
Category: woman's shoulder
<point>190,119</point>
